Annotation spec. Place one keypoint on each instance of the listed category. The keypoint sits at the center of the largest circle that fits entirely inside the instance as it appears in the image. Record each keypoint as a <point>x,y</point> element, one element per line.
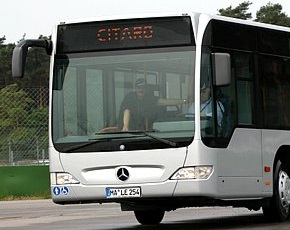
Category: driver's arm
<point>126,120</point>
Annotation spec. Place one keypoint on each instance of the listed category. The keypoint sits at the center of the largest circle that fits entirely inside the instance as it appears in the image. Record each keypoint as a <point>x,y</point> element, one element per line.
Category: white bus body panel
<point>149,170</point>
<point>237,174</point>
<point>144,166</point>
<point>238,169</point>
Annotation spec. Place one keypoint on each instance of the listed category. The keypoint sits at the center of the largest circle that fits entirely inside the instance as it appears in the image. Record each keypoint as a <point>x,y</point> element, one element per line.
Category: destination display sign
<point>124,34</point>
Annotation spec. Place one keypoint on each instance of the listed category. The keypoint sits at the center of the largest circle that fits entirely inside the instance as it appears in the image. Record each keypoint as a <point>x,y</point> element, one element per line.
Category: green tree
<point>2,40</point>
<point>36,69</point>
<point>5,63</point>
<point>272,14</point>
<point>21,122</point>
<point>238,12</point>
<point>13,107</point>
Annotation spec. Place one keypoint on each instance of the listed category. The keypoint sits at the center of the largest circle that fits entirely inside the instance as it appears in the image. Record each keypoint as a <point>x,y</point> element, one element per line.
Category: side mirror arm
<point>20,53</point>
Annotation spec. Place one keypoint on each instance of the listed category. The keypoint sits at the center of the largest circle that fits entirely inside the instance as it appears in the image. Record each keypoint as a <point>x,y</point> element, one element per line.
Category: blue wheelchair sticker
<point>57,191</point>
<point>108,192</point>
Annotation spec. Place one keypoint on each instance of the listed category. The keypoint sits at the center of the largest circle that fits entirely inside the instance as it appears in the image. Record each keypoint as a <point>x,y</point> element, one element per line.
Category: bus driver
<point>140,108</point>
<point>137,108</point>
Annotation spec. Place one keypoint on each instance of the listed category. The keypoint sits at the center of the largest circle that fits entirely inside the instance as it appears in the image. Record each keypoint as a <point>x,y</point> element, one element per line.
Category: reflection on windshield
<point>124,92</point>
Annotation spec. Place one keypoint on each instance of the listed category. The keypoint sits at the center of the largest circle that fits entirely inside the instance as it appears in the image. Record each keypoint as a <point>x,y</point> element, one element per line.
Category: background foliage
<point>23,108</point>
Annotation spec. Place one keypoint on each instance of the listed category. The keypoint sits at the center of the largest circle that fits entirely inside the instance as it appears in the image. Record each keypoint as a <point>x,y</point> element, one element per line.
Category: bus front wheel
<point>149,217</point>
<point>278,210</point>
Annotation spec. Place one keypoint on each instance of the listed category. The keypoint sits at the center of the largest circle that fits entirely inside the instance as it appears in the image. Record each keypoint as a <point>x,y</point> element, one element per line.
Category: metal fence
<point>23,126</point>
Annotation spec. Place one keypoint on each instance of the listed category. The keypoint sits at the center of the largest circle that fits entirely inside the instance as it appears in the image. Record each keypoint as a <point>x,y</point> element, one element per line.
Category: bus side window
<point>275,88</point>
<point>244,72</point>
<point>237,98</point>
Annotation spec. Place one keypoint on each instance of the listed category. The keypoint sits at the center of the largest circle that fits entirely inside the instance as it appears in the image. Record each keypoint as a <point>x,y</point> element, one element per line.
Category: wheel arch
<point>283,154</point>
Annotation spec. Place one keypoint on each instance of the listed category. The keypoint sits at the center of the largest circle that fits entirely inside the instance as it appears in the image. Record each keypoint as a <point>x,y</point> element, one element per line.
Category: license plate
<point>123,192</point>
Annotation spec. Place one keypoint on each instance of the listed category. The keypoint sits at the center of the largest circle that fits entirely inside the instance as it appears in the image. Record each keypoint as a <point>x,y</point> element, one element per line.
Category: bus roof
<point>168,14</point>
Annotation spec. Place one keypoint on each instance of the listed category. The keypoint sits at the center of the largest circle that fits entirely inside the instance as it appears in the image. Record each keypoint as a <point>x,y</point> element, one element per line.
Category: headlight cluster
<point>197,172</point>
<point>62,178</point>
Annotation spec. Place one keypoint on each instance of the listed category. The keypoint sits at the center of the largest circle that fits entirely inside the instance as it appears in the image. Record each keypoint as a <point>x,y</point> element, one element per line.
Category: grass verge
<point>42,195</point>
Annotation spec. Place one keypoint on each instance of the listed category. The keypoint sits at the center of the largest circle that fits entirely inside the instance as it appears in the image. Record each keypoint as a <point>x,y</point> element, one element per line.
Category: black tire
<point>278,210</point>
<point>149,217</point>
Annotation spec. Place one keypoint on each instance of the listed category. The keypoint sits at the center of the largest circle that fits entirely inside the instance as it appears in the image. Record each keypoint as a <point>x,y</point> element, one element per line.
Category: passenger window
<point>276,91</point>
<point>243,64</point>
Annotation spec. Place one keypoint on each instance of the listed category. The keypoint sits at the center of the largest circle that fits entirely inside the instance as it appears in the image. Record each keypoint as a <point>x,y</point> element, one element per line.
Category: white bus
<point>180,148</point>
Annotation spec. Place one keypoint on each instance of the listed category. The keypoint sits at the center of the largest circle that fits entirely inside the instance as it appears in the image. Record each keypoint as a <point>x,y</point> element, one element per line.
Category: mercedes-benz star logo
<point>123,174</point>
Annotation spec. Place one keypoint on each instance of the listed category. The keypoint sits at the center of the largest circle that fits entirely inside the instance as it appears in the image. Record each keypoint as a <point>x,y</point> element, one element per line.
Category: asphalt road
<point>43,214</point>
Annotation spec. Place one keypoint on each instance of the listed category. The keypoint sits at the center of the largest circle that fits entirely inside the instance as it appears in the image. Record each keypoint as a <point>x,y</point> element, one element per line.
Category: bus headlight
<point>63,178</point>
<point>197,172</point>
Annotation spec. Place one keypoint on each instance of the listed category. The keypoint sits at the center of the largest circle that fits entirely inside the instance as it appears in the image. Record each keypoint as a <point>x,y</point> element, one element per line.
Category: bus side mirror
<point>221,69</point>
<point>20,53</point>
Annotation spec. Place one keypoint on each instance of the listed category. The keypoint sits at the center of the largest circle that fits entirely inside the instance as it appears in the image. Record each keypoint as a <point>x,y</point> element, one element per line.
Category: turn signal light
<point>196,172</point>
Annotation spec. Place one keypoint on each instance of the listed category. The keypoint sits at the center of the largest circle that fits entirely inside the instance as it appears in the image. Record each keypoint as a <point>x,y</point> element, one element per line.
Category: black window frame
<point>229,37</point>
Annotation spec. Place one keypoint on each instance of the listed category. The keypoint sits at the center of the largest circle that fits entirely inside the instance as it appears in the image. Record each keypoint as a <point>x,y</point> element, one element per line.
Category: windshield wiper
<point>138,132</point>
<point>90,142</point>
<point>79,146</point>
<point>162,140</point>
<point>99,140</point>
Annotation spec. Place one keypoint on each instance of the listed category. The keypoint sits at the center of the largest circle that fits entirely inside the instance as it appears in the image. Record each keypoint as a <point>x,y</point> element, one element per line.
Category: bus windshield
<point>93,91</point>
